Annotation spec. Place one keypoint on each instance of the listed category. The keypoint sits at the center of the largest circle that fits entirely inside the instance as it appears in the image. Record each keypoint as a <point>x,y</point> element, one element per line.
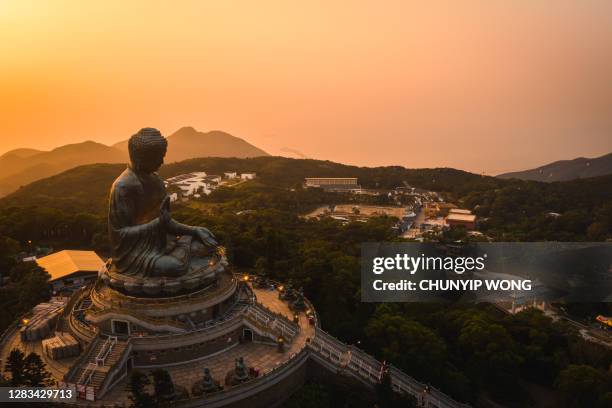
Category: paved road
<point>412,232</point>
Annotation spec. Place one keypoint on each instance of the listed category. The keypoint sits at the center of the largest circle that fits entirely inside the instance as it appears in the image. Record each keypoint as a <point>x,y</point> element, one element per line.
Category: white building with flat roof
<point>194,183</point>
<point>333,183</point>
<point>459,211</point>
<point>327,181</point>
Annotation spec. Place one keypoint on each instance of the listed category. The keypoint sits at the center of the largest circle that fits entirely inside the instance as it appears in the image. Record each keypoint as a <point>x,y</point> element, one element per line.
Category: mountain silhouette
<point>188,143</point>
<point>564,170</point>
<point>23,166</point>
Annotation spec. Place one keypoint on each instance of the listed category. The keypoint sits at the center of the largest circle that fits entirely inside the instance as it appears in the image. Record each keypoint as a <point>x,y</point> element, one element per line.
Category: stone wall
<point>267,392</point>
<point>186,353</point>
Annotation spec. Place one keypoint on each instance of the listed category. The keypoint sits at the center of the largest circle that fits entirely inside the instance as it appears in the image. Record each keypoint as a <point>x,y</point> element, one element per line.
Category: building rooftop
<point>461,217</point>
<point>66,262</point>
<point>331,178</point>
<point>459,211</point>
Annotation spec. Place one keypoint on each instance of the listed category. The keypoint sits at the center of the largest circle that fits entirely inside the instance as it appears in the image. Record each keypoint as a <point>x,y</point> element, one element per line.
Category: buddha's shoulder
<point>128,180</point>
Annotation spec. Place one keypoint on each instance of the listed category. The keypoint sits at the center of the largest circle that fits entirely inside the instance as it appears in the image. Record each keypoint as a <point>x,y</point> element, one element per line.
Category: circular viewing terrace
<point>262,356</point>
<point>258,319</point>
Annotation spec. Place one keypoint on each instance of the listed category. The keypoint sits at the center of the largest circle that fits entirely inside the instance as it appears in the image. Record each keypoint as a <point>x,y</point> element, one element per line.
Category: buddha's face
<point>149,161</point>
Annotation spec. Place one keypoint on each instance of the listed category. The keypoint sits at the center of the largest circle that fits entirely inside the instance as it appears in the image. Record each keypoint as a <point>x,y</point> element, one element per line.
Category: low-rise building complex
<point>348,184</point>
<point>70,269</point>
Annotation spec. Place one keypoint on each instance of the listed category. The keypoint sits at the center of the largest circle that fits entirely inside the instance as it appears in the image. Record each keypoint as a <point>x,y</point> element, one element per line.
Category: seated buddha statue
<point>241,372</point>
<point>145,240</point>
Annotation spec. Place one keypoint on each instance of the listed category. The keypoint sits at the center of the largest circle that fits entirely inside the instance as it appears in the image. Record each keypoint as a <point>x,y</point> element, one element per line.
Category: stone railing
<point>249,388</point>
<point>80,361</point>
<point>209,329</point>
<point>426,395</point>
<point>313,312</point>
<point>87,374</point>
<point>75,298</point>
<point>161,322</point>
<point>367,368</point>
<point>273,321</point>
<point>106,349</point>
<point>114,374</point>
<point>83,332</point>
<point>309,306</point>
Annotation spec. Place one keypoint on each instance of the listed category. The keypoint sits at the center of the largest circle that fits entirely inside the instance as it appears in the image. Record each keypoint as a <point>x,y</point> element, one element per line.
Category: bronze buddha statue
<point>146,241</point>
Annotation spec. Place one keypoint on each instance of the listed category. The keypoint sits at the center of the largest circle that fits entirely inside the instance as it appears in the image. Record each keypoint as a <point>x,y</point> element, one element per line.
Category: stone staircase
<point>102,359</point>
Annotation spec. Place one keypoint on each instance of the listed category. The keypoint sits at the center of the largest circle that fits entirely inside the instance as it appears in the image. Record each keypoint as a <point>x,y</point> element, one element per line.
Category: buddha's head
<point>147,150</point>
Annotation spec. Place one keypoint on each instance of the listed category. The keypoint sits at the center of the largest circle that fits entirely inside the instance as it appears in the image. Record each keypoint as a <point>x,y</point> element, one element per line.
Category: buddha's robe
<point>138,238</point>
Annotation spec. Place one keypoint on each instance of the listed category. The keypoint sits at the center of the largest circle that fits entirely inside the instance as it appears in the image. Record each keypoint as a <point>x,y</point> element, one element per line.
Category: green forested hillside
<point>286,172</point>
<point>509,209</point>
<point>533,211</point>
<point>86,186</point>
<point>473,352</point>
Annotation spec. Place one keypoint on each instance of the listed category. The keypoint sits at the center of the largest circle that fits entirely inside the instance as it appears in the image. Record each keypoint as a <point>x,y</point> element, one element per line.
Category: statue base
<point>166,286</point>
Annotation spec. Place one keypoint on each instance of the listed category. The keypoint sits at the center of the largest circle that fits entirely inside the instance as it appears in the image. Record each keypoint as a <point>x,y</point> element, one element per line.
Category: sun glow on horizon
<point>480,85</point>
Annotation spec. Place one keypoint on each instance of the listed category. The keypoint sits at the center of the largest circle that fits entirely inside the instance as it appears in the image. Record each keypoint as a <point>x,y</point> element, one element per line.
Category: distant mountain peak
<point>22,166</point>
<point>21,153</point>
<point>186,129</point>
<point>190,143</point>
<point>564,170</point>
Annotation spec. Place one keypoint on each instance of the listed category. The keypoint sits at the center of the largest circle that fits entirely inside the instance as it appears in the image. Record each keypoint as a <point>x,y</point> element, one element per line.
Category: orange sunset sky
<point>486,86</point>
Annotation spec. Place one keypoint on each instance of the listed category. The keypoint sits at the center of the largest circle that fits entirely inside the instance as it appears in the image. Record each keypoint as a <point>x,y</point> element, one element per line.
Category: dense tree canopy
<point>473,352</point>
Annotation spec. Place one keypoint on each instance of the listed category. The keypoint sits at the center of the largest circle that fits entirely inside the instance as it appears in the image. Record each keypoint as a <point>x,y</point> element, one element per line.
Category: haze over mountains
<point>564,170</point>
<point>20,167</point>
<point>23,166</point>
<point>188,143</point>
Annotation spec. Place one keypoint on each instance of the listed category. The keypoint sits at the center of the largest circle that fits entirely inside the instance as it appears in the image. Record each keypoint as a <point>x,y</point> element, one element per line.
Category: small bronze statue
<point>288,292</point>
<point>298,304</point>
<point>241,372</point>
<point>206,385</point>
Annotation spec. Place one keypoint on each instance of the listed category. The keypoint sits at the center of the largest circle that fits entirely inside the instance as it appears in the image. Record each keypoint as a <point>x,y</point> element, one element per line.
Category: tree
<point>386,397</point>
<point>8,251</point>
<point>309,395</point>
<point>138,395</point>
<point>4,382</point>
<point>492,356</point>
<point>35,372</point>
<point>581,385</point>
<point>14,365</point>
<point>407,343</point>
<point>32,287</point>
<point>597,231</point>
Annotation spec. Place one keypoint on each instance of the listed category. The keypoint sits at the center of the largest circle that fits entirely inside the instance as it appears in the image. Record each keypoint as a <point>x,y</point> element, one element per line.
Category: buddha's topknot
<point>146,139</point>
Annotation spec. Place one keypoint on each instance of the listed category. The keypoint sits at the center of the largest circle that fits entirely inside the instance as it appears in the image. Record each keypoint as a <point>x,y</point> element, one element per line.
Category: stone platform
<point>262,357</point>
<point>210,266</point>
<point>261,353</point>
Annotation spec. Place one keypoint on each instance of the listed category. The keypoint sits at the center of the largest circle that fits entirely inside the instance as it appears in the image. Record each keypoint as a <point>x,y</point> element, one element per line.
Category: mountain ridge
<point>85,188</point>
<point>187,143</point>
<point>22,166</point>
<point>565,170</point>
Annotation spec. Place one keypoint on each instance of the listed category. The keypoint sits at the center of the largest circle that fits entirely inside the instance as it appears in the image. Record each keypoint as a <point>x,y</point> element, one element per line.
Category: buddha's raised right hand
<point>164,212</point>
